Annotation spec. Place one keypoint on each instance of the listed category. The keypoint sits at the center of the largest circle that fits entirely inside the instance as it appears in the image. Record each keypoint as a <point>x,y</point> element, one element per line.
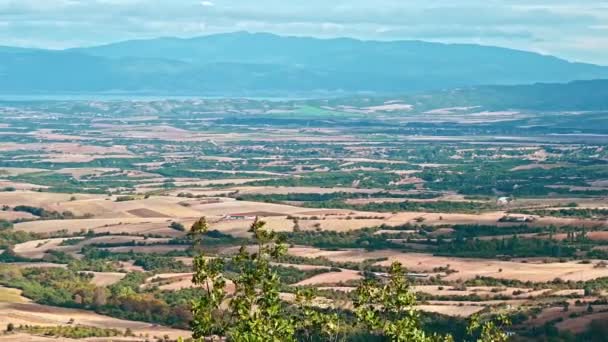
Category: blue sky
<point>573,29</point>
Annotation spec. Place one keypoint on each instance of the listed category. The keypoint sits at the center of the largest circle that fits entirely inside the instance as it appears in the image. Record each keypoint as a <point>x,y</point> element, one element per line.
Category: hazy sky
<point>573,29</point>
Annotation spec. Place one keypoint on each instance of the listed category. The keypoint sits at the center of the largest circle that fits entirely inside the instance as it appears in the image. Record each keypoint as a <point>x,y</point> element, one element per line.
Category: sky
<point>576,30</point>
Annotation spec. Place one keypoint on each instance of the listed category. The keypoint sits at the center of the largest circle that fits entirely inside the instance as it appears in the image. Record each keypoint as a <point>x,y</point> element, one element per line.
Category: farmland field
<point>490,211</point>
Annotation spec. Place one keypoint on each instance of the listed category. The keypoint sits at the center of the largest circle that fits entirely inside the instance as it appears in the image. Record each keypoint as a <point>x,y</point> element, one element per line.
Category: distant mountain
<point>245,64</point>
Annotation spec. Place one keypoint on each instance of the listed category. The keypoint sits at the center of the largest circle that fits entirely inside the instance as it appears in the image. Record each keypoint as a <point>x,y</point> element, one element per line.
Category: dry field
<point>297,266</point>
<point>106,278</point>
<point>451,310</point>
<point>16,171</point>
<point>347,220</point>
<point>36,249</point>
<point>229,207</point>
<point>594,236</point>
<point>67,148</point>
<point>111,239</point>
<point>60,158</point>
<point>22,337</point>
<point>105,207</point>
<point>15,215</point>
<point>339,225</point>
<point>577,324</point>
<point>197,183</point>
<point>450,198</point>
<point>141,226</point>
<point>560,202</point>
<point>41,315</point>
<point>481,291</point>
<point>580,324</point>
<point>171,281</point>
<point>8,295</point>
<point>331,278</point>
<point>39,199</point>
<point>153,215</point>
<point>19,186</point>
<point>466,268</point>
<point>240,228</point>
<point>538,166</point>
<point>179,281</point>
<point>489,218</point>
<point>129,266</point>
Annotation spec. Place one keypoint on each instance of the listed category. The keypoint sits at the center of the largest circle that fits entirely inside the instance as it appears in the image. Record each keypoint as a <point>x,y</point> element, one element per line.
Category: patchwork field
<point>489,210</point>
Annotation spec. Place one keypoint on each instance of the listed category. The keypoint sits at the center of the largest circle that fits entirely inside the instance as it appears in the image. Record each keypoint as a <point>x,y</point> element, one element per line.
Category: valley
<point>490,208</point>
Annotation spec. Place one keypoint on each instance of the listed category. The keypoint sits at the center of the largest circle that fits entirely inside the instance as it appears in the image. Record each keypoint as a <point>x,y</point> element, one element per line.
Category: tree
<point>208,274</point>
<point>177,226</point>
<point>492,330</point>
<point>313,325</point>
<point>197,231</point>
<point>388,309</point>
<point>255,312</point>
<point>255,308</point>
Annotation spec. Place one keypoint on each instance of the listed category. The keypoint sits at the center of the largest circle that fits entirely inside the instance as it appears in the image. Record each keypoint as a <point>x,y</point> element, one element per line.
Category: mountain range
<point>259,63</point>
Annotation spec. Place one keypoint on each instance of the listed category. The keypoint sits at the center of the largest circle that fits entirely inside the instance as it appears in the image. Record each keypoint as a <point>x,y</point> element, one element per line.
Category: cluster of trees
<point>70,288</point>
<point>463,242</point>
<point>489,177</point>
<point>5,225</point>
<point>45,214</point>
<point>61,183</point>
<point>72,332</point>
<point>434,206</point>
<point>471,231</point>
<point>512,247</point>
<point>362,238</point>
<point>362,179</point>
<point>10,237</point>
<point>177,226</point>
<point>158,263</point>
<point>149,262</point>
<point>125,198</point>
<point>324,197</point>
<point>179,171</point>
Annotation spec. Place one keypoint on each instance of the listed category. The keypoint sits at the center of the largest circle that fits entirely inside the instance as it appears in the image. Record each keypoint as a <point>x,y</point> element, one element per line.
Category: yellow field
<point>119,225</point>
<point>8,295</point>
